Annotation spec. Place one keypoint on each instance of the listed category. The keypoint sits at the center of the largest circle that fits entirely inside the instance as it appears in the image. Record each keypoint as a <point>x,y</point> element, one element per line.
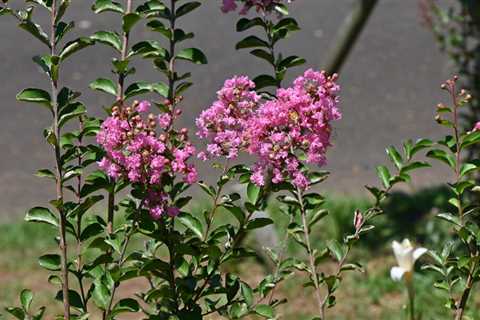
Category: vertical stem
<point>79,222</point>
<point>313,268</point>
<point>120,97</point>
<point>411,296</point>
<point>125,41</point>
<point>59,172</point>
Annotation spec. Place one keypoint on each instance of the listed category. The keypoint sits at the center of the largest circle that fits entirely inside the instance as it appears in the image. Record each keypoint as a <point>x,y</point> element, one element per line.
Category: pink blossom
<point>223,123</point>
<point>136,153</point>
<point>144,106</point>
<point>276,132</point>
<point>477,126</point>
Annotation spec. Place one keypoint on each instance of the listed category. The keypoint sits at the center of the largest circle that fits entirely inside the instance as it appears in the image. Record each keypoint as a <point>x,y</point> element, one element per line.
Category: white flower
<point>406,256</point>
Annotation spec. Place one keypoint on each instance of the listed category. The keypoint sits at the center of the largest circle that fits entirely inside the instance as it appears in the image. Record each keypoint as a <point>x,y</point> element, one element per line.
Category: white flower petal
<point>418,253</point>
<point>397,273</point>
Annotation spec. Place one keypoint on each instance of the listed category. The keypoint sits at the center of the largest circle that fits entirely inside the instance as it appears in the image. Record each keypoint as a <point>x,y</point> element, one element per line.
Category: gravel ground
<point>390,87</point>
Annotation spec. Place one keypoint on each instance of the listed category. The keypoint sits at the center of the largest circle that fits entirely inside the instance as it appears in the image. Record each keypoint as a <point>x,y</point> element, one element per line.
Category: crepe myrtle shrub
<point>456,264</point>
<point>70,151</point>
<point>90,274</point>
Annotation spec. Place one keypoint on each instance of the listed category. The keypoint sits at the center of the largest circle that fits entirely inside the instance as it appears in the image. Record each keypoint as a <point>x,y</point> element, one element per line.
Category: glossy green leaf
<point>258,223</point>
<point>35,96</point>
<point>245,23</point>
<point>191,223</point>
<point>187,8</point>
<point>104,85</point>
<point>264,80</point>
<point>35,30</point>
<point>264,310</point>
<point>50,262</point>
<point>384,175</point>
<point>42,215</point>
<point>107,5</point>
<point>26,298</point>
<point>251,42</point>
<point>192,54</point>
<point>108,38</point>
<point>137,88</point>
<point>75,46</point>
<point>253,192</point>
<point>129,21</point>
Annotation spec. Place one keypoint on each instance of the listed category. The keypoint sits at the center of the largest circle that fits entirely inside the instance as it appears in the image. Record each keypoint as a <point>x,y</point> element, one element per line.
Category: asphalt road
<point>390,86</point>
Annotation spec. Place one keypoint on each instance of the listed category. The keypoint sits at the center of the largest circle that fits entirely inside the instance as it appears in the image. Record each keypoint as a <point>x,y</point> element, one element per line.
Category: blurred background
<point>390,86</point>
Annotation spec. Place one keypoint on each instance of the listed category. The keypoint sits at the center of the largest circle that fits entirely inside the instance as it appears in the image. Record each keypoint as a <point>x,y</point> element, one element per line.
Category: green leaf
<point>42,215</point>
<point>35,30</point>
<point>420,145</point>
<point>26,298</point>
<point>137,88</point>
<point>73,297</point>
<point>107,5</point>
<point>62,29</point>
<point>253,192</point>
<point>470,139</point>
<point>395,156</point>
<point>258,223</point>
<point>50,262</point>
<point>71,111</point>
<point>336,249</point>
<point>245,24</point>
<point>467,168</point>
<point>192,54</point>
<point>290,62</point>
<point>251,42</point>
<point>126,305</point>
<point>191,223</point>
<point>384,176</point>
<point>247,293</point>
<point>415,165</point>
<point>35,96</point>
<point>75,46</point>
<point>148,49</point>
<point>265,311</point>
<point>186,8</point>
<point>16,312</point>
<point>442,156</point>
<point>262,54</point>
<point>160,88</point>
<point>108,38</point>
<point>264,80</point>
<point>129,21</point>
<point>100,295</point>
<point>104,85</point>
<point>449,218</point>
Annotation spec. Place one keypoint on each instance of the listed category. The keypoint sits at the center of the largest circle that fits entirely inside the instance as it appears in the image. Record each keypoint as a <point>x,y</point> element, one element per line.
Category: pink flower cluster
<point>134,152</point>
<point>277,132</point>
<point>224,122</point>
<point>260,5</point>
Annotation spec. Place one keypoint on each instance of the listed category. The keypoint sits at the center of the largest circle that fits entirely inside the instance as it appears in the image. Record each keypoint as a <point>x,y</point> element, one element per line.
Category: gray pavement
<point>390,86</point>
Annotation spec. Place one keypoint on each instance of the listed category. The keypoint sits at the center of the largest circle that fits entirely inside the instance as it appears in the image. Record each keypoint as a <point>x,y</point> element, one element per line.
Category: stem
<point>120,263</point>
<point>462,304</point>
<point>59,172</point>
<point>236,240</point>
<point>125,40</point>
<point>79,222</point>
<point>313,268</point>
<point>411,297</point>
